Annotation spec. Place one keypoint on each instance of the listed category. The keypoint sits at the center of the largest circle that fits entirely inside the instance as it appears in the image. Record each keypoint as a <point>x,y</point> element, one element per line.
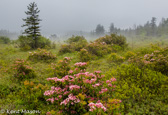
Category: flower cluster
<point>73,91</point>
<point>72,99</point>
<point>93,106</point>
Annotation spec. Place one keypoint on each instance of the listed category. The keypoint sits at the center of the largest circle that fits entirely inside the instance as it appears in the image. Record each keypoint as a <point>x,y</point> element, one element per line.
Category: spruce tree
<point>32,23</point>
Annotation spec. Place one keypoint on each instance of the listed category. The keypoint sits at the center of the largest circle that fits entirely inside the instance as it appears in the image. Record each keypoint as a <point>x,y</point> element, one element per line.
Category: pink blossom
<point>71,87</point>
<point>113,79</point>
<point>70,71</point>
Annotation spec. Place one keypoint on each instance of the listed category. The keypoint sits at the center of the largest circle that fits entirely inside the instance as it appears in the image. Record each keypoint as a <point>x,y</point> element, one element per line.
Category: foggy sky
<point>82,15</point>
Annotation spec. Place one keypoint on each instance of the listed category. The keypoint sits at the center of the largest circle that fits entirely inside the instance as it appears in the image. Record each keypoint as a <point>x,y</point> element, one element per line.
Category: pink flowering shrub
<point>41,54</point>
<point>61,68</point>
<point>22,70</point>
<point>157,60</point>
<point>80,92</point>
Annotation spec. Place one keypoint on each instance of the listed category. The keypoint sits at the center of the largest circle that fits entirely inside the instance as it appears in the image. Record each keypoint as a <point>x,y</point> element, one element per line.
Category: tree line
<point>150,28</point>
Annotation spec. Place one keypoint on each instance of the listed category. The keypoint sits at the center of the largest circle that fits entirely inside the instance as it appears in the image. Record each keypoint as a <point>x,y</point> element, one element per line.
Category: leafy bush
<point>98,49</point>
<point>31,95</point>
<point>76,39</point>
<point>27,43</point>
<point>115,58</point>
<point>41,54</point>
<point>140,87</point>
<point>43,42</point>
<point>65,49</point>
<point>129,54</point>
<point>113,39</point>
<point>84,55</point>
<point>157,61</point>
<point>82,92</point>
<point>23,70</point>
<point>77,46</point>
<point>61,68</point>
<point>4,40</point>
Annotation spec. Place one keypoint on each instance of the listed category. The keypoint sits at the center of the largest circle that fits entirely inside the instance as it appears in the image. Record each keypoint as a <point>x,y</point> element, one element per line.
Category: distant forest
<point>150,28</point>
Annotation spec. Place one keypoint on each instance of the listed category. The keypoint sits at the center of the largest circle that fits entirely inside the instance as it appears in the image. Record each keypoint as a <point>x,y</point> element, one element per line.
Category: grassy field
<point>142,88</point>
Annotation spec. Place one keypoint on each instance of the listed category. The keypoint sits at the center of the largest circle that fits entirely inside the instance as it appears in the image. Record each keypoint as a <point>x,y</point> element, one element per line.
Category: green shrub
<point>31,95</point>
<point>23,70</point>
<point>113,39</point>
<point>115,58</point>
<point>129,54</point>
<point>61,68</point>
<point>77,46</point>
<point>4,40</point>
<point>140,87</point>
<point>65,49</point>
<point>41,54</point>
<point>43,42</point>
<point>157,61</point>
<point>76,39</point>
<point>27,42</point>
<point>98,49</point>
<point>84,55</point>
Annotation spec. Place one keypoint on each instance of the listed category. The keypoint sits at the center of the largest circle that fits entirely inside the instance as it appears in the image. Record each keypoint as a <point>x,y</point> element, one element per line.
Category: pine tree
<point>32,23</point>
<point>100,30</point>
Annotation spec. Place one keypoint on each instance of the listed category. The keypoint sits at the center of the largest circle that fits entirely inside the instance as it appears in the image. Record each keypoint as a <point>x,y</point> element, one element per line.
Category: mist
<point>60,16</point>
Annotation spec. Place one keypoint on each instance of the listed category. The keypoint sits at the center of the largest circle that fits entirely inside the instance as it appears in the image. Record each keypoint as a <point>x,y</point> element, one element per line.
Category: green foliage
<point>115,58</point>
<point>157,60</point>
<point>32,23</point>
<point>113,39</point>
<point>23,70</point>
<point>65,49</point>
<point>138,86</point>
<point>98,49</point>
<point>84,55</point>
<point>76,39</point>
<point>4,40</point>
<point>61,68</point>
<point>129,54</point>
<point>41,54</point>
<point>27,43</point>
<point>31,95</point>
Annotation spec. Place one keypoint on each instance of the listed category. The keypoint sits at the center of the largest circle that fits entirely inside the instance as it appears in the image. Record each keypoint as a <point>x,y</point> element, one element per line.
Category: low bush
<point>129,54</point>
<point>82,92</point>
<point>84,55</point>
<point>23,70</point>
<point>115,58</point>
<point>41,54</point>
<point>31,95</point>
<point>27,43</point>
<point>76,39</point>
<point>61,68</point>
<point>157,61</point>
<point>4,40</point>
<point>65,49</point>
<point>113,39</point>
<point>138,88</point>
<point>98,49</point>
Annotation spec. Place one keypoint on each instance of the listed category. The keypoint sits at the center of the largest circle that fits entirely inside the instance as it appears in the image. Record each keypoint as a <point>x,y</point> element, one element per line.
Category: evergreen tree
<point>99,30</point>
<point>112,29</point>
<point>32,23</point>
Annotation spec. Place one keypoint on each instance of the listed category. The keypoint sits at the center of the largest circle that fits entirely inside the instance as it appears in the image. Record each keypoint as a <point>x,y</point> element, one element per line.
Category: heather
<point>106,76</point>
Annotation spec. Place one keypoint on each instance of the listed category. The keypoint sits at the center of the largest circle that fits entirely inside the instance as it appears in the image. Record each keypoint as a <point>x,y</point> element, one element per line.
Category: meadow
<point>111,75</point>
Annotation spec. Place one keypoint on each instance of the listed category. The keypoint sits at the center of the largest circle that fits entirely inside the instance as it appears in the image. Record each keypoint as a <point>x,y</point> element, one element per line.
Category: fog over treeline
<point>82,17</point>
